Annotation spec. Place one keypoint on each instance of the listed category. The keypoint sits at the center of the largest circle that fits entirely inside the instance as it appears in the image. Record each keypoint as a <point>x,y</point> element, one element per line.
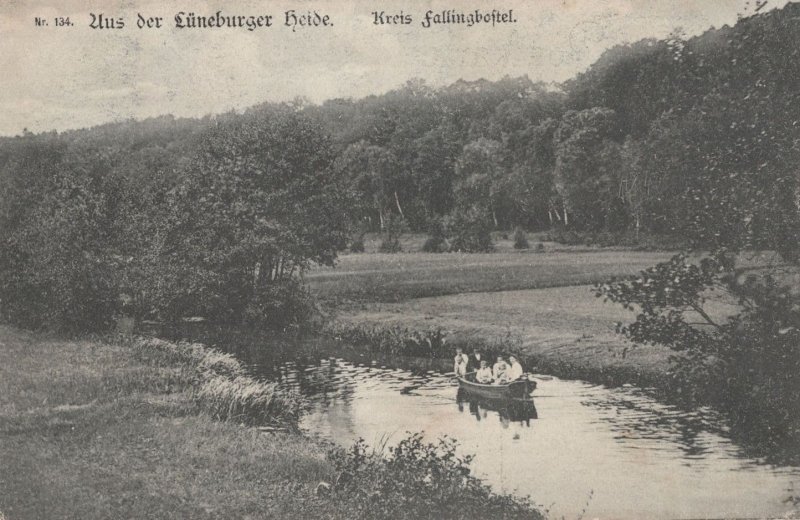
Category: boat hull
<point>516,389</point>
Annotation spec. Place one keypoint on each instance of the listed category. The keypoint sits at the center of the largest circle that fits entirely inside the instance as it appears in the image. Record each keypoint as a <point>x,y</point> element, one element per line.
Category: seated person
<point>500,371</point>
<point>475,359</point>
<point>460,363</point>
<point>515,371</point>
<point>484,373</point>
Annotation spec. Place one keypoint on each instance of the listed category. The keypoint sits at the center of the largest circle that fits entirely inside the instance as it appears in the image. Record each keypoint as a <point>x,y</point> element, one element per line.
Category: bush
<point>437,242</point>
<point>394,340</point>
<point>470,232</point>
<point>520,239</point>
<point>357,240</point>
<point>391,238</point>
<point>390,244</point>
<point>357,245</point>
<point>616,239</point>
<point>747,363</point>
<point>418,480</point>
<point>282,305</point>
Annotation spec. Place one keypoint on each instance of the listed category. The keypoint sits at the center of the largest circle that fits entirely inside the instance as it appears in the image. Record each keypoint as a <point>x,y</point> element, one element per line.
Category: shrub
<point>470,231</point>
<point>282,305</point>
<point>390,244</point>
<point>747,363</point>
<point>418,480</point>
<point>391,238</point>
<point>520,239</point>
<point>394,340</point>
<point>357,244</point>
<point>437,242</point>
<point>612,238</point>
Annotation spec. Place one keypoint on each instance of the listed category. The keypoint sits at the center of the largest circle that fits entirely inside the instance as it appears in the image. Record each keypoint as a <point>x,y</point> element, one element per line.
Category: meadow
<point>380,277</point>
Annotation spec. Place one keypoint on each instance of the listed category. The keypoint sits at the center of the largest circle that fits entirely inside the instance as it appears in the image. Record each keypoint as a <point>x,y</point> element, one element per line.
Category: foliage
<point>469,231</point>
<point>357,238</point>
<point>394,340</point>
<point>59,264</point>
<point>418,479</point>
<point>748,362</point>
<point>220,226</point>
<point>716,164</point>
<point>520,239</point>
<point>587,164</point>
<point>391,239</point>
<point>650,241</point>
<point>437,241</point>
<point>691,139</point>
<point>281,305</point>
<point>357,244</point>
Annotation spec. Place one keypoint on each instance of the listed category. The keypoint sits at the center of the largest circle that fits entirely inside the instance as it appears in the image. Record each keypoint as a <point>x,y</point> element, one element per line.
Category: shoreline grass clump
<point>244,400</point>
<point>220,386</point>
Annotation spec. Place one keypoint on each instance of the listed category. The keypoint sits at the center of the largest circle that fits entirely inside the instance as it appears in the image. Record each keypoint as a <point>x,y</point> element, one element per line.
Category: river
<point>578,449</point>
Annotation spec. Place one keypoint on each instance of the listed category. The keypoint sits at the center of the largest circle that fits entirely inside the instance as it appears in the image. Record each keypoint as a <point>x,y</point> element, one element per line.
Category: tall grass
<point>220,385</point>
<point>392,340</point>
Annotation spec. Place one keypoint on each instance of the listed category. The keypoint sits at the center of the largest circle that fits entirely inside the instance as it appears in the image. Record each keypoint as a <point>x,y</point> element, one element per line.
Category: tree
<point>258,203</point>
<point>482,178</point>
<point>58,266</point>
<point>587,167</point>
<point>746,362</point>
<point>372,172</point>
<point>531,183</point>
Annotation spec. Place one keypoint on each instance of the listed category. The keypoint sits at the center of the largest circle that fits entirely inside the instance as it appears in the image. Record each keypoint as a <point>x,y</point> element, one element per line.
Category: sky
<point>60,78</point>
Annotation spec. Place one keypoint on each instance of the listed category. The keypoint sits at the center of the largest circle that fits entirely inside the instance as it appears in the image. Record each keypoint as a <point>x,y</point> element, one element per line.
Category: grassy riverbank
<point>540,303</point>
<point>92,429</point>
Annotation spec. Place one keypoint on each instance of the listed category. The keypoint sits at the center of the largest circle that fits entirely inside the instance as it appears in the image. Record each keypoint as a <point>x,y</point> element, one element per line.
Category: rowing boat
<point>520,388</point>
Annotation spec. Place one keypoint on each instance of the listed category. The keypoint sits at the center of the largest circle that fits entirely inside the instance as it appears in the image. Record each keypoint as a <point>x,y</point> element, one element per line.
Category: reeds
<point>393,340</point>
<point>220,385</point>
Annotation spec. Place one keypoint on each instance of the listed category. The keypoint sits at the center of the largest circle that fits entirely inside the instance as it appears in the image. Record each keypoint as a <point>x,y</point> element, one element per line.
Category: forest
<point>686,141</point>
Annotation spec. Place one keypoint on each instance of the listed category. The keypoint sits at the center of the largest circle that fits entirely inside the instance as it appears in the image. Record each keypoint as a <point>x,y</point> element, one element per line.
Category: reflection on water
<point>628,454</point>
<point>507,410</point>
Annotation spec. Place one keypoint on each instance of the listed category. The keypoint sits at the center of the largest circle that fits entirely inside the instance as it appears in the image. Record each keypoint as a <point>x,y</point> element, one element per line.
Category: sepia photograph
<point>420,259</point>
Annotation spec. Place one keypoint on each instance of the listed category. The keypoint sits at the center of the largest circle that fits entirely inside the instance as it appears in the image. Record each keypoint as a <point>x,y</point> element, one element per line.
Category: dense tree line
<point>695,138</point>
<point>168,218</point>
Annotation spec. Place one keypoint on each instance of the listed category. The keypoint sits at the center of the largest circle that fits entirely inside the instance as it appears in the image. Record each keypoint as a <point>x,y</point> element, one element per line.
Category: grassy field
<point>376,277</point>
<point>88,431</point>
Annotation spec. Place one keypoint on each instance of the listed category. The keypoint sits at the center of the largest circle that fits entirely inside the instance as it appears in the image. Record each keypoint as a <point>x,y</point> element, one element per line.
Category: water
<point>615,453</point>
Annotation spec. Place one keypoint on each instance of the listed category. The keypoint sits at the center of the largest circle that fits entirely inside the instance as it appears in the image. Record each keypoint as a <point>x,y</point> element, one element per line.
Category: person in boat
<point>484,374</point>
<point>500,371</point>
<point>475,360</point>
<point>460,363</point>
<point>515,370</point>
